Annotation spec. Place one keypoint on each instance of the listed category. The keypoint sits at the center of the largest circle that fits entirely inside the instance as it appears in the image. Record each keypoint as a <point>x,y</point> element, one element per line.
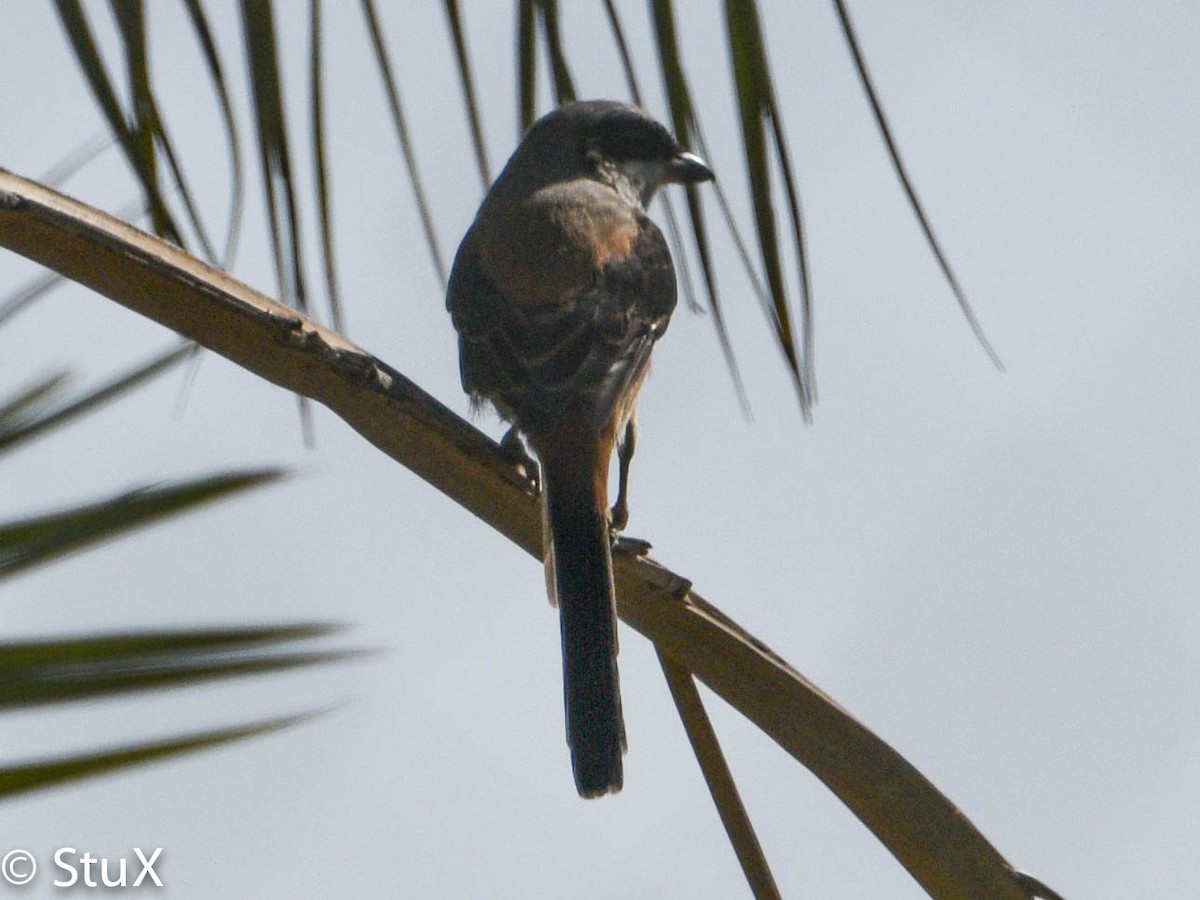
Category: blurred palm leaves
<point>37,673</point>
<point>771,184</point>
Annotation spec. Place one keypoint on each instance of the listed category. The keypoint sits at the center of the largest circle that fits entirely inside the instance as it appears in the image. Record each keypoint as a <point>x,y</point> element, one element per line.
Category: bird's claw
<point>630,546</point>
<point>514,448</point>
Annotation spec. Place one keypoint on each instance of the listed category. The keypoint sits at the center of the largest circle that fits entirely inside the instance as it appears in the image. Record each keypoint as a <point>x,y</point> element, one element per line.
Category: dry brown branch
<point>720,780</point>
<point>933,840</point>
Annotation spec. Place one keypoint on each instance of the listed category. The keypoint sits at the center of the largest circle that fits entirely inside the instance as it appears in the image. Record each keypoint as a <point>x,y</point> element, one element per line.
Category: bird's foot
<point>618,516</point>
<point>514,448</point>
<point>630,546</point>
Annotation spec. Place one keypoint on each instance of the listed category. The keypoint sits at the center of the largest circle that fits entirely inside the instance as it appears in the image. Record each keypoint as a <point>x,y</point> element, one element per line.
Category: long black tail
<point>577,517</point>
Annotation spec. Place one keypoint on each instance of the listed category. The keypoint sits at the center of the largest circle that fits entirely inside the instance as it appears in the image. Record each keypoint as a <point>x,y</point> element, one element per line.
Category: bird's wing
<point>576,354</point>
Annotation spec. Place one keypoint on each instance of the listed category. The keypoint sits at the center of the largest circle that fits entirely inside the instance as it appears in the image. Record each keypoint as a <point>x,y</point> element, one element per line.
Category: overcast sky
<point>995,572</point>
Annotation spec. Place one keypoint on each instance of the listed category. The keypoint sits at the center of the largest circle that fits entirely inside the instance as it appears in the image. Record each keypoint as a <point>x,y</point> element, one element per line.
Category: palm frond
<point>77,159</point>
<point>46,773</point>
<point>757,110</point>
<point>400,122</point>
<point>274,149</point>
<point>316,96</point>
<point>138,153</point>
<point>62,670</point>
<point>918,208</point>
<point>687,126</point>
<point>526,64</point>
<point>463,58</point>
<point>33,412</point>
<point>43,538</point>
<point>216,72</point>
<point>24,297</point>
<point>149,130</point>
<point>560,71</point>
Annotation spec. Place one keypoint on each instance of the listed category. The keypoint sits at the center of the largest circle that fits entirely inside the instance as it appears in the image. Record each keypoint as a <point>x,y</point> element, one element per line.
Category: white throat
<point>636,180</point>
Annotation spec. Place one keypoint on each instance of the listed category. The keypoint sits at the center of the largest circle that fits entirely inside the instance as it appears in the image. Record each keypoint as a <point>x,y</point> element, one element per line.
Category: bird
<point>558,292</point>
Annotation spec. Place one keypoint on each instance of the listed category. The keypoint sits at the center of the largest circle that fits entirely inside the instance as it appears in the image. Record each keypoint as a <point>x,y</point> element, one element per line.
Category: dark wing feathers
<point>581,351</point>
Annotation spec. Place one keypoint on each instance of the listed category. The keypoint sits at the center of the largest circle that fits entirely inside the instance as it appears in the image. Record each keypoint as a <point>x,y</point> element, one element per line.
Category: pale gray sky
<point>996,572</point>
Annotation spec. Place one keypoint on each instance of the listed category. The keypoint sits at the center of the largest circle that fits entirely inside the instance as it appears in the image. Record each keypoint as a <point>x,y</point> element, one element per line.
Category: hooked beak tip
<point>688,168</point>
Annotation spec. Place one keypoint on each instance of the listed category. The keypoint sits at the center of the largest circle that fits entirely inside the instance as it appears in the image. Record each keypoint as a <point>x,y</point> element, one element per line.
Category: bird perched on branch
<point>558,292</point>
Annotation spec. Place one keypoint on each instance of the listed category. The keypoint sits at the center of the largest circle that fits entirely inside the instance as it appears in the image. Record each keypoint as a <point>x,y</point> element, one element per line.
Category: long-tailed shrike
<point>558,292</point>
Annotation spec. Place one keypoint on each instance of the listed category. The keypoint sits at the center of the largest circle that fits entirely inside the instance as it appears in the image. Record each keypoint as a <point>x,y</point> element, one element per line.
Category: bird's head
<point>615,143</point>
